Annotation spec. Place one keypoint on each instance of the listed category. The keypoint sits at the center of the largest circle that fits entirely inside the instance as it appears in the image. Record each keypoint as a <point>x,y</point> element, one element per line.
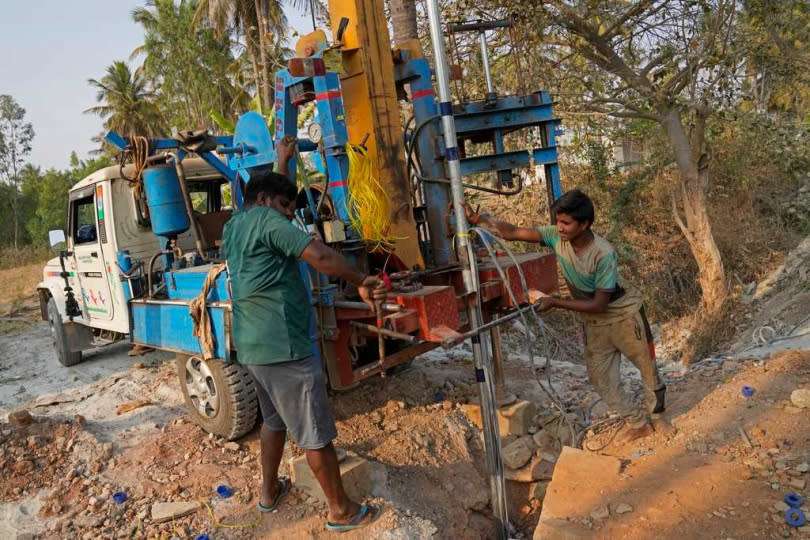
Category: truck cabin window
<point>84,221</point>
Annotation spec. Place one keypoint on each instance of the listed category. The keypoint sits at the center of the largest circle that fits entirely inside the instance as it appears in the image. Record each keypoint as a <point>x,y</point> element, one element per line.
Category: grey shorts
<point>292,395</point>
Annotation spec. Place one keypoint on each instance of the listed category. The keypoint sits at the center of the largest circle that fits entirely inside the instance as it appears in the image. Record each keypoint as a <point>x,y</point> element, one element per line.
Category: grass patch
<point>14,326</point>
<point>18,287</point>
<point>12,258</point>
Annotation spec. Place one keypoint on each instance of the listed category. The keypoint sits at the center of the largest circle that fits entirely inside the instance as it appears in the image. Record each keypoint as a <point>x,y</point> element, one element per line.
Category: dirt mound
<point>780,303</point>
<point>34,451</point>
<point>724,474</point>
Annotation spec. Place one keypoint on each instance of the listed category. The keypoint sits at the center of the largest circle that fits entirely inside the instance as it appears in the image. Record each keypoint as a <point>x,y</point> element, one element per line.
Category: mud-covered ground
<point>723,473</point>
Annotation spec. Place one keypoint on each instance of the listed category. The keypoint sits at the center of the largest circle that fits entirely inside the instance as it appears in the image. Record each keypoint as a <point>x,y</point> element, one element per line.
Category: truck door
<point>87,230</point>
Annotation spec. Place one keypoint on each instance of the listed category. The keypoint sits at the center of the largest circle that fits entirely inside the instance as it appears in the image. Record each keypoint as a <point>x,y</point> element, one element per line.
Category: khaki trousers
<point>604,346</point>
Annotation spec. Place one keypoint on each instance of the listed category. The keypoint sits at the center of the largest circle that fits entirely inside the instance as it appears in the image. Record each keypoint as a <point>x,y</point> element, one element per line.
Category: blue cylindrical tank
<point>167,209</point>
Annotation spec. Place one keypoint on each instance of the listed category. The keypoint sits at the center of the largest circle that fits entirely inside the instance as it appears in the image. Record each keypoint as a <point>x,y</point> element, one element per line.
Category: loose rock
<point>801,398</point>
<point>20,418</point>
<point>623,508</point>
<point>600,513</point>
<point>518,453</point>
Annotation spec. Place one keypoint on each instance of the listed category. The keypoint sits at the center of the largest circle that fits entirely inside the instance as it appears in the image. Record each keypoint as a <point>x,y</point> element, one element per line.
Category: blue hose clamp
<point>795,517</point>
<point>793,500</point>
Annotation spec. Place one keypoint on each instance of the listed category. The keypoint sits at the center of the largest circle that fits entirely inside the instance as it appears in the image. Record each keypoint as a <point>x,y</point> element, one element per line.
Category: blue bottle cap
<point>438,396</point>
<point>120,497</point>
<point>748,391</point>
<point>224,491</point>
<point>795,517</point>
<point>202,536</point>
<point>793,500</point>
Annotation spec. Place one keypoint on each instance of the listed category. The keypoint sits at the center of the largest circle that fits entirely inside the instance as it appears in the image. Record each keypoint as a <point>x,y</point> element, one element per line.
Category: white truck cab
<point>108,234</point>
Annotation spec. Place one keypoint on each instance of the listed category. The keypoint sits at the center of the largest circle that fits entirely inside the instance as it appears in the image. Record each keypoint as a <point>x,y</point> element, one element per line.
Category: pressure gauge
<point>315,132</point>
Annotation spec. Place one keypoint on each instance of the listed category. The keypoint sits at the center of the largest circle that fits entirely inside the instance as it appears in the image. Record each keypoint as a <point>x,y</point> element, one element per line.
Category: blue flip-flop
<point>284,488</point>
<point>357,521</point>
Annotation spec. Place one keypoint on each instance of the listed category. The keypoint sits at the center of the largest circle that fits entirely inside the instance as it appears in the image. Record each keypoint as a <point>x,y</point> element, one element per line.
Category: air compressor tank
<point>167,209</point>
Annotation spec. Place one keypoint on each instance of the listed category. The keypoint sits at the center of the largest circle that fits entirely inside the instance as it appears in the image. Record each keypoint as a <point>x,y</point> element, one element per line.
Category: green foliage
<point>127,105</point>
<point>43,198</point>
<point>15,144</point>
<point>188,62</point>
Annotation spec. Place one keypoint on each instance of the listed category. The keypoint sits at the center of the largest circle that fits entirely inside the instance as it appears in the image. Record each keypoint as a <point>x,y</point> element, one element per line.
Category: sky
<point>48,53</point>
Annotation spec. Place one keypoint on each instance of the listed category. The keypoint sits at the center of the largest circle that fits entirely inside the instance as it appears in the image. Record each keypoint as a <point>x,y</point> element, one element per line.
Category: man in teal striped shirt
<point>611,309</point>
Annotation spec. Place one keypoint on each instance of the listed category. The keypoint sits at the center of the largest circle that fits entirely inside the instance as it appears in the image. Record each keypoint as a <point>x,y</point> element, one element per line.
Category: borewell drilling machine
<point>134,260</point>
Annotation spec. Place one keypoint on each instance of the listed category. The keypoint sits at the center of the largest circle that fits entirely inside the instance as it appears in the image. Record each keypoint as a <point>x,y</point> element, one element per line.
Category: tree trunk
<point>16,218</point>
<point>261,17</point>
<point>403,18</point>
<point>695,225</point>
<point>254,61</point>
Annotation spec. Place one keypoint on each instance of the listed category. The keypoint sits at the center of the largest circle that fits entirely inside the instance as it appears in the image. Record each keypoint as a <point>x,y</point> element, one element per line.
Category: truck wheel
<point>60,340</point>
<point>220,397</point>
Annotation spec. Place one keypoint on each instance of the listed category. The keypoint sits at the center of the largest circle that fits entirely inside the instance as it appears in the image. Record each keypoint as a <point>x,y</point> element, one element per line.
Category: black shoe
<point>660,394</point>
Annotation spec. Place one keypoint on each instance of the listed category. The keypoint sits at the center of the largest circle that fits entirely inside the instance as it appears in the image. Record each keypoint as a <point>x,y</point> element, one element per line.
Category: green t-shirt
<point>271,309</point>
<point>596,268</point>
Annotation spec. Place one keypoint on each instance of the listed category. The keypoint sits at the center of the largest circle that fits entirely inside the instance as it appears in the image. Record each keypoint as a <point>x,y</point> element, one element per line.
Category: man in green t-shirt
<point>271,324</point>
<point>611,308</point>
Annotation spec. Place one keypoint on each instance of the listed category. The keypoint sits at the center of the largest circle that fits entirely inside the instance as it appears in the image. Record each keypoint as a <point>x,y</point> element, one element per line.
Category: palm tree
<point>126,103</point>
<point>256,20</point>
<point>190,64</point>
<point>403,19</point>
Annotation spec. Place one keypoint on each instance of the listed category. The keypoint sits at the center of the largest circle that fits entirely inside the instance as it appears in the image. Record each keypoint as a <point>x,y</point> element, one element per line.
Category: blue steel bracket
<point>166,144</point>
<point>511,113</point>
<point>508,160</point>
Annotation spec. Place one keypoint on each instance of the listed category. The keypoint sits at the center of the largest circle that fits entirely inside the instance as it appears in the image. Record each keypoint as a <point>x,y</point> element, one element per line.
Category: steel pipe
<point>483,363</point>
<point>384,332</point>
<point>362,306</point>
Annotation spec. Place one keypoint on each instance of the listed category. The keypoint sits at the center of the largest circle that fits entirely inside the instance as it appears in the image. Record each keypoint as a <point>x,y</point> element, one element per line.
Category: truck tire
<point>220,397</point>
<point>60,340</point>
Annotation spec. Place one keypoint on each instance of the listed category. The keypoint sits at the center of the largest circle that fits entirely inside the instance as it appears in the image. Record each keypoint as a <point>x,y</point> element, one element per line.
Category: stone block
<point>516,454</point>
<point>164,511</point>
<point>515,419</point>
<point>537,469</point>
<point>361,478</point>
<point>574,492</point>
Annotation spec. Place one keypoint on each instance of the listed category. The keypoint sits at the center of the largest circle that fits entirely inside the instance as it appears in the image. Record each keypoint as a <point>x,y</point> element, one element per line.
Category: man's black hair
<point>271,184</point>
<point>576,204</point>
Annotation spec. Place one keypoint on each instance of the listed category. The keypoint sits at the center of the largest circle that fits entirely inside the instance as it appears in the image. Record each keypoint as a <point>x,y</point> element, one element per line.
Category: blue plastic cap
<point>224,491</point>
<point>202,537</point>
<point>793,500</point>
<point>795,517</point>
<point>748,391</point>
<point>438,396</point>
<point>120,497</point>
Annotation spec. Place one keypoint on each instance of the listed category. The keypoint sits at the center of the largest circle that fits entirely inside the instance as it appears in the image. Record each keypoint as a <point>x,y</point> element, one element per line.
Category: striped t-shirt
<point>596,268</point>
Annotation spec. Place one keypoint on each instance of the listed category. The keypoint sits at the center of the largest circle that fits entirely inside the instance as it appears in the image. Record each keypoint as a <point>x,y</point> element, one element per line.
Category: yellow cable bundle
<point>368,202</point>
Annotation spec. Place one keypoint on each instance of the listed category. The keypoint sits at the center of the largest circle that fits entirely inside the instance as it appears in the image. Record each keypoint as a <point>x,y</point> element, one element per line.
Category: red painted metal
<point>433,312</point>
<point>436,306</point>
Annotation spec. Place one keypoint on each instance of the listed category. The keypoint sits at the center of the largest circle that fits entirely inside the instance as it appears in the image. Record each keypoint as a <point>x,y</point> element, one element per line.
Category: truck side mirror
<point>56,239</point>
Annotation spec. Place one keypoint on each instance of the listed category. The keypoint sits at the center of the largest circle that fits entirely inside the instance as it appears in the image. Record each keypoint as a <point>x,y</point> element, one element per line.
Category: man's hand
<point>540,298</point>
<point>472,216</point>
<point>372,292</point>
<point>546,303</point>
<point>285,149</point>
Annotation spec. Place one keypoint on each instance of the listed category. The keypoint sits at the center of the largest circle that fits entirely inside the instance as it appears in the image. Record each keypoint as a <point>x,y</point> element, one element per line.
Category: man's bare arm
<point>597,304</point>
<point>328,261</point>
<point>505,230</point>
